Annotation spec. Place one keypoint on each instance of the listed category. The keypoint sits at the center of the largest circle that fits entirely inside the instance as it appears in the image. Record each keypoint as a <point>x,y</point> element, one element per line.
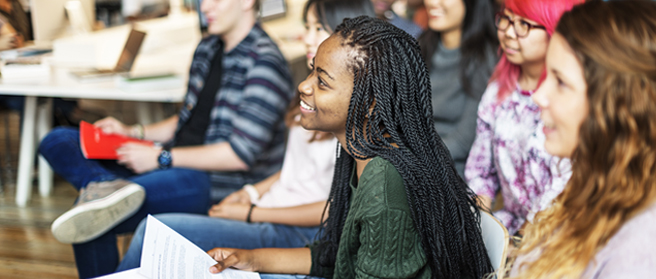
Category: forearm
<point>307,215</point>
<point>283,260</point>
<point>162,131</point>
<point>211,157</point>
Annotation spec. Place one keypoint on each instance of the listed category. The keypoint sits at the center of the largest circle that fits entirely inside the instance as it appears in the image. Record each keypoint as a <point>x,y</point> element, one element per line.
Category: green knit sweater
<point>379,239</point>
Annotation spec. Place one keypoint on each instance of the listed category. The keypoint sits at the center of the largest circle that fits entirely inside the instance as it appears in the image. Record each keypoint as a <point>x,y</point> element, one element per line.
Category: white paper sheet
<point>168,255</point>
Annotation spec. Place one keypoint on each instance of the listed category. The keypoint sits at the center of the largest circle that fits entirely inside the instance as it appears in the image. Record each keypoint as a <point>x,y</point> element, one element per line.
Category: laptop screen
<point>130,51</point>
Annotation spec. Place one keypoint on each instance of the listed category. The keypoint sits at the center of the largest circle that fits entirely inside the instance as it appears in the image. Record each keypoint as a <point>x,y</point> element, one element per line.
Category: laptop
<point>125,61</point>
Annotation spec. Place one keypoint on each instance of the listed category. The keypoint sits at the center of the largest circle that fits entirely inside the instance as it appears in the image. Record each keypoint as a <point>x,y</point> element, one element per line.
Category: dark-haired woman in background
<point>460,51</point>
<point>598,105</point>
<point>398,208</point>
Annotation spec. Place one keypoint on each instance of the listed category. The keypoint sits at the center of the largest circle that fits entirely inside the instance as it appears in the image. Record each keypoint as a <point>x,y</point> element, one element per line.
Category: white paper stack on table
<point>167,254</point>
<point>25,67</point>
<point>149,82</point>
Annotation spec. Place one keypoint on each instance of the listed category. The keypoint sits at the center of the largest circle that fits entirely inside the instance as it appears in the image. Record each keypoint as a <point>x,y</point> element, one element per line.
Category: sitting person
<point>383,9</point>
<point>14,30</point>
<point>229,132</point>
<point>285,209</point>
<point>598,105</point>
<point>508,155</point>
<point>397,207</point>
<point>460,51</point>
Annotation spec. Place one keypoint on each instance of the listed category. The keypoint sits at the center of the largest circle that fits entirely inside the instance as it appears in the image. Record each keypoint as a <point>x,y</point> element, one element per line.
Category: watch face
<point>164,159</point>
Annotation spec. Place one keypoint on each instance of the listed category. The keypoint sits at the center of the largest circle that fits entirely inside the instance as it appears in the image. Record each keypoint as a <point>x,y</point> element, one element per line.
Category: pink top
<point>508,155</point>
<point>307,172</point>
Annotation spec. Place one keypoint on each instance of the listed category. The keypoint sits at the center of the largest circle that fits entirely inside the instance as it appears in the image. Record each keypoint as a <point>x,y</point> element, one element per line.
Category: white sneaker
<point>100,207</point>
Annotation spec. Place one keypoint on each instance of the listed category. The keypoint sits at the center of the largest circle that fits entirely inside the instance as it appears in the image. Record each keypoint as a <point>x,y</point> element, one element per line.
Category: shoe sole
<point>90,220</point>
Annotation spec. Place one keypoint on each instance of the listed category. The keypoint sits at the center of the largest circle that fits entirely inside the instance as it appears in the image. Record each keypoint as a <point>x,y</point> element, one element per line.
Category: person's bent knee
<point>56,137</point>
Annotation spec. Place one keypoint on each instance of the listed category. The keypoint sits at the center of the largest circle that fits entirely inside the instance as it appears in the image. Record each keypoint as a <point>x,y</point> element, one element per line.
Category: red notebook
<point>95,144</point>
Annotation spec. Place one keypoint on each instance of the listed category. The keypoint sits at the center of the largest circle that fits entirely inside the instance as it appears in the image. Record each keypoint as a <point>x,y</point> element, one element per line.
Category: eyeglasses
<point>502,22</point>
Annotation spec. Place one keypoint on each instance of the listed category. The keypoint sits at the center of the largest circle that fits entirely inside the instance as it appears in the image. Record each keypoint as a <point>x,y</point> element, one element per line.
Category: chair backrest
<point>496,240</point>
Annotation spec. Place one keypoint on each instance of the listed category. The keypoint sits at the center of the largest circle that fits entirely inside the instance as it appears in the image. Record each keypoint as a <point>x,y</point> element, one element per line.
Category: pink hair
<point>545,13</point>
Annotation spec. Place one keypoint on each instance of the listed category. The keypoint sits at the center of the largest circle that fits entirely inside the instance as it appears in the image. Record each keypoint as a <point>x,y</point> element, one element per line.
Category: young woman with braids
<point>460,50</point>
<point>598,104</point>
<point>508,153</point>
<point>398,208</point>
<point>285,209</point>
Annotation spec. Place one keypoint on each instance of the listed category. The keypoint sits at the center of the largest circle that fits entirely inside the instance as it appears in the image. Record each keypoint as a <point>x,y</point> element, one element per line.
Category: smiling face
<point>562,99</point>
<point>382,6</point>
<point>222,15</point>
<point>326,92</point>
<point>528,50</point>
<point>315,34</point>
<point>445,15</point>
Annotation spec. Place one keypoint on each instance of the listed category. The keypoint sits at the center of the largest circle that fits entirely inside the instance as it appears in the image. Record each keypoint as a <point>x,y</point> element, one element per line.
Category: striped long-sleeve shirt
<point>249,108</point>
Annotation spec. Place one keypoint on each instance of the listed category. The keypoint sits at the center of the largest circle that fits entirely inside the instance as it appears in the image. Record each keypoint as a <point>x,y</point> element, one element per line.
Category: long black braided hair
<point>392,95</point>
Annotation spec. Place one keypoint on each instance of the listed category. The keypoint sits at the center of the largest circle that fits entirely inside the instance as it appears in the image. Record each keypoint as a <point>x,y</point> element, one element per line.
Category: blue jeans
<point>13,102</point>
<point>208,233</point>
<point>171,190</point>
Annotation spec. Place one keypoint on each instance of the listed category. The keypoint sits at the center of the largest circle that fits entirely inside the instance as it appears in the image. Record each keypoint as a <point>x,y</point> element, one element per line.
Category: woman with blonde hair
<point>599,109</point>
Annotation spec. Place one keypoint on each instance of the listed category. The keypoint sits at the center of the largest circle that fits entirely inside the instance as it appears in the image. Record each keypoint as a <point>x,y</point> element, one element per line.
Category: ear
<point>247,5</point>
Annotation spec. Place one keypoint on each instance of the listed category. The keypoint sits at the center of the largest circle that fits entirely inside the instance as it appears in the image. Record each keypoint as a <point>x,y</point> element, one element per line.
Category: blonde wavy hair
<point>614,163</point>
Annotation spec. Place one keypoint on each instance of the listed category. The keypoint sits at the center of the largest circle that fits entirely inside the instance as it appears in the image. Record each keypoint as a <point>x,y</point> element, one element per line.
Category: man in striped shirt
<point>229,132</point>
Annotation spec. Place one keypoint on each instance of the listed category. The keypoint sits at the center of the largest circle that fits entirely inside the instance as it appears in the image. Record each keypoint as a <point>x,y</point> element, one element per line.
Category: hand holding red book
<point>96,144</point>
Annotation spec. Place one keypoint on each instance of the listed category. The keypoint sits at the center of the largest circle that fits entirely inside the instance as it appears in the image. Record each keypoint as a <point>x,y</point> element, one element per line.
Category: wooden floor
<point>27,247</point>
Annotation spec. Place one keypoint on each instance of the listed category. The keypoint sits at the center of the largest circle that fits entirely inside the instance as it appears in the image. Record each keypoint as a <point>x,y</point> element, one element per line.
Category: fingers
<point>128,156</point>
<point>230,198</point>
<point>7,42</point>
<point>105,121</point>
<point>110,125</point>
<point>241,196</point>
<point>214,211</point>
<point>225,258</point>
<point>130,147</point>
<point>124,161</point>
<point>137,157</point>
<point>221,211</point>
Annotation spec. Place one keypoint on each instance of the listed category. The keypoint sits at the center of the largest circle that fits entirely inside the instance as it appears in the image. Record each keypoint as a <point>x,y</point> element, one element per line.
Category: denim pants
<point>171,190</point>
<point>208,233</point>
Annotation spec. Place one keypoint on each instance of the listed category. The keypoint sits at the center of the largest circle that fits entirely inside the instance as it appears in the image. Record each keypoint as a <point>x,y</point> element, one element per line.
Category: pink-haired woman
<point>508,153</point>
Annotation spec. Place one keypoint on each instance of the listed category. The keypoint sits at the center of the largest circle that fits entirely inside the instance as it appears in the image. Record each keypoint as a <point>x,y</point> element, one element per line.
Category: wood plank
<point>35,269</point>
<point>27,247</point>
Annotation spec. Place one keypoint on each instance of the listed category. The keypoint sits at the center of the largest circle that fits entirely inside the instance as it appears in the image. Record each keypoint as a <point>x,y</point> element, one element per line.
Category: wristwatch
<point>165,159</point>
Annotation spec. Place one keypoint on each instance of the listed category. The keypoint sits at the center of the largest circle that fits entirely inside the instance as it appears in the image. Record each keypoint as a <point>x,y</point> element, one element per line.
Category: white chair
<point>495,237</point>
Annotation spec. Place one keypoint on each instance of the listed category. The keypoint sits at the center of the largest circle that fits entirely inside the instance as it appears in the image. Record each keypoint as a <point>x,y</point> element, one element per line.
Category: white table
<point>37,119</point>
<point>168,47</point>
